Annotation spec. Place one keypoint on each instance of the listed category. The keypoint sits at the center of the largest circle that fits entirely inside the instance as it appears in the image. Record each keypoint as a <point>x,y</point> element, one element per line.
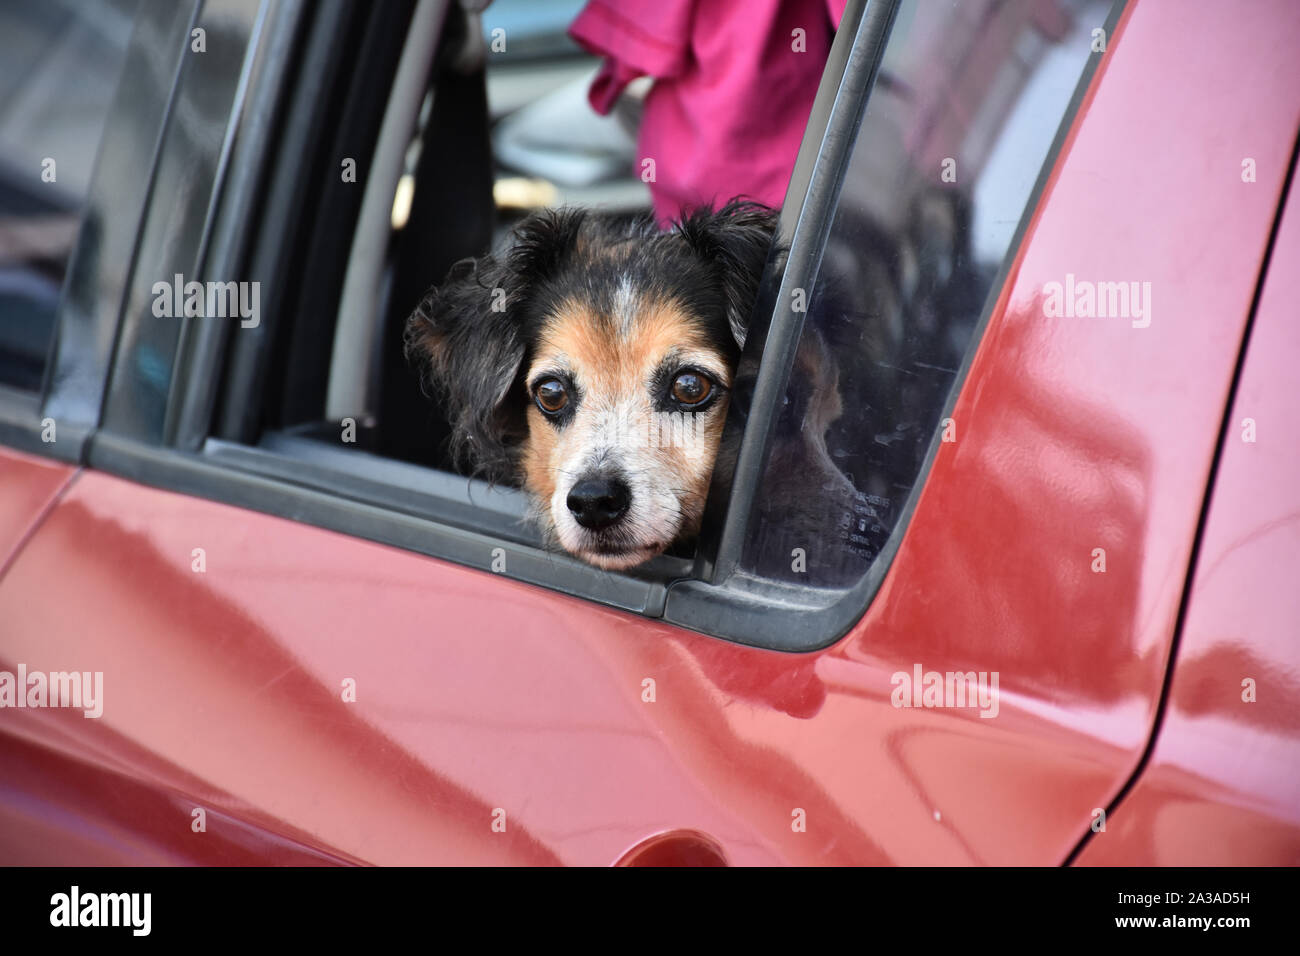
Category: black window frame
<point>722,599</point>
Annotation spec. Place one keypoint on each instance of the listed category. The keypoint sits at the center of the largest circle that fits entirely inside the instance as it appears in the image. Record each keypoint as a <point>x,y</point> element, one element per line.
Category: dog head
<point>591,362</point>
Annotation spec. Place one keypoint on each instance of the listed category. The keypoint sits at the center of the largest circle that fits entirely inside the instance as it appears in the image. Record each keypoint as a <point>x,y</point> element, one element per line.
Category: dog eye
<point>690,388</point>
<point>551,395</point>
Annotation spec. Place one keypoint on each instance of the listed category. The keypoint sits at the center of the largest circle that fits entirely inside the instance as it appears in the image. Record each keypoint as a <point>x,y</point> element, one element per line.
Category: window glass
<point>969,99</point>
<point>59,67</point>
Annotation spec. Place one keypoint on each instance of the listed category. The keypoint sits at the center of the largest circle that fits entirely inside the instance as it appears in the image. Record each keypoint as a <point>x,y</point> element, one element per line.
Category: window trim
<point>292,489</point>
<point>246,154</point>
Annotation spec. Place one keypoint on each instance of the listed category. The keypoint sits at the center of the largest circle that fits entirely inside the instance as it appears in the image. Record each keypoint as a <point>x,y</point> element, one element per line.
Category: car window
<point>59,67</point>
<point>954,136</point>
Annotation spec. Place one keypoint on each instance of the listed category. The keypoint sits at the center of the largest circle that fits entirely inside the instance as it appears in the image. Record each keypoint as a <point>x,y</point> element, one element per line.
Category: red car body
<point>496,722</point>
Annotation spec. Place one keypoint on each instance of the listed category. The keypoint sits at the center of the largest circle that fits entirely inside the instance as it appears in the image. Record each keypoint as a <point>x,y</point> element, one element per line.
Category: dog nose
<point>598,502</point>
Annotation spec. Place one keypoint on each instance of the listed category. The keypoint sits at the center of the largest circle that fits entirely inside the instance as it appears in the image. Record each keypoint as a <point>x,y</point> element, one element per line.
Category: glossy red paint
<point>28,487</point>
<point>480,699</point>
<point>1223,785</point>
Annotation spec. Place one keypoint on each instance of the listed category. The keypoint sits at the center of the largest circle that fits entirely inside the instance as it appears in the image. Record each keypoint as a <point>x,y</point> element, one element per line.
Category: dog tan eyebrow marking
<point>606,362</point>
<point>550,362</point>
<point>674,361</point>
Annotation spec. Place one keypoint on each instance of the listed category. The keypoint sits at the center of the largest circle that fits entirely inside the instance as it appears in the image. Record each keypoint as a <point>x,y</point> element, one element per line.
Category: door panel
<point>1223,783</point>
<point>223,690</point>
<point>28,485</point>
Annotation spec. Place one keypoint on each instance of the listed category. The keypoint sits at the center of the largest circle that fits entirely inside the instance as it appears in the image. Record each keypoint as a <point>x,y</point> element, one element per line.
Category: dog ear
<point>468,334</point>
<point>469,351</point>
<point>735,241</point>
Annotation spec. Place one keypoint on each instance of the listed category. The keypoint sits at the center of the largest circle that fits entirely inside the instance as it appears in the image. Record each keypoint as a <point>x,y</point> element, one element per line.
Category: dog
<point>591,363</point>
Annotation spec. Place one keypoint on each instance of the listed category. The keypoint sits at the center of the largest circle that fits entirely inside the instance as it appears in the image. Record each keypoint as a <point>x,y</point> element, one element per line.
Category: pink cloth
<point>732,92</point>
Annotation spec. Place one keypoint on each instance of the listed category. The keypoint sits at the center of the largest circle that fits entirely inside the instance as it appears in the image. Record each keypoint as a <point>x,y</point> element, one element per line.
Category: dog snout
<point>598,502</point>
